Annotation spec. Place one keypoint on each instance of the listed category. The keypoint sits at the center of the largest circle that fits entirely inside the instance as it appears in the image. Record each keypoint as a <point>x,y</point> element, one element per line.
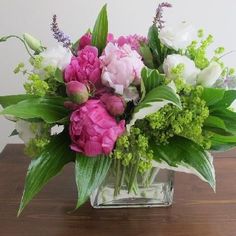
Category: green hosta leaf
<point>222,142</point>
<point>155,43</point>
<point>228,117</point>
<point>184,155</point>
<point>227,100</point>
<point>213,95</point>
<point>154,101</point>
<point>51,161</point>
<point>51,110</point>
<point>151,78</point>
<point>90,172</point>
<point>147,56</point>
<point>100,30</point>
<point>8,100</point>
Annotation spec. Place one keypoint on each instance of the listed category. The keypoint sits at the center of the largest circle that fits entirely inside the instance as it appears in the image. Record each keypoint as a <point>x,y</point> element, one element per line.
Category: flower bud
<point>114,104</point>
<point>209,75</point>
<point>77,92</point>
<point>33,43</point>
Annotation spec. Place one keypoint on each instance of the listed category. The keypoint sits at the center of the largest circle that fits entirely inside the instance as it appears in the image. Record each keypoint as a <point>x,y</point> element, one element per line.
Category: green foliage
<point>155,45</point>
<point>187,122</point>
<point>151,78</point>
<point>8,100</point>
<point>147,56</point>
<point>154,101</point>
<point>212,95</point>
<point>100,30</point>
<point>182,154</point>
<point>89,172</point>
<point>42,169</point>
<point>50,110</point>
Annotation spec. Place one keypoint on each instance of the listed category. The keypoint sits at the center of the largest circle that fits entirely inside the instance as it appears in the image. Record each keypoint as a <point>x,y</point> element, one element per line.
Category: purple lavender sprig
<point>158,19</point>
<point>58,34</point>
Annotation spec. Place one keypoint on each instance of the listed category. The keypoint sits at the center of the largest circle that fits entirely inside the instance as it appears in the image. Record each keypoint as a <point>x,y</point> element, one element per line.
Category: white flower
<point>27,131</point>
<point>58,57</point>
<point>209,75</point>
<point>178,37</point>
<point>190,71</point>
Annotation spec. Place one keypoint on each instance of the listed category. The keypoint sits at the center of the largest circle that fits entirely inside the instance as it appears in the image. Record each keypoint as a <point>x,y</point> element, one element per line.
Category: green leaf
<point>154,101</point>
<point>100,30</point>
<point>59,76</point>
<point>155,43</point>
<point>42,169</point>
<point>90,172</point>
<point>222,142</point>
<point>184,155</point>
<point>212,95</point>
<point>215,122</point>
<point>8,100</point>
<point>147,56</point>
<point>228,117</point>
<point>227,100</point>
<point>51,110</point>
<point>151,78</point>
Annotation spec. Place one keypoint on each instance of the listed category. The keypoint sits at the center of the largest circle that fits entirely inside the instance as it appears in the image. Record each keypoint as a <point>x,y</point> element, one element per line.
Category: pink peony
<point>77,92</point>
<point>93,131</point>
<point>133,40</point>
<point>84,68</point>
<point>85,40</point>
<point>121,67</point>
<point>114,104</point>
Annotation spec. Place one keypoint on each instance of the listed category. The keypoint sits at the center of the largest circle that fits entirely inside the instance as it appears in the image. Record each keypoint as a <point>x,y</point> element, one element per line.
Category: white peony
<point>59,57</point>
<point>178,37</point>
<point>190,71</point>
<point>209,75</point>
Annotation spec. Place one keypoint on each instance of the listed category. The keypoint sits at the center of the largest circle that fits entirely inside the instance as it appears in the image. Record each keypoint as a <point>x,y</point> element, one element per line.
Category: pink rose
<point>121,67</point>
<point>114,104</point>
<point>93,131</point>
<point>84,68</point>
<point>77,92</point>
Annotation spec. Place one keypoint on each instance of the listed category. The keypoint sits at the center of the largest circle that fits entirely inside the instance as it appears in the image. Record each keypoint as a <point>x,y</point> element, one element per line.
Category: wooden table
<point>196,211</point>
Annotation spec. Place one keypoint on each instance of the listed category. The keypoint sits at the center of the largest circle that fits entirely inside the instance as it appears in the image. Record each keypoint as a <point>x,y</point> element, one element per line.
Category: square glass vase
<point>151,189</point>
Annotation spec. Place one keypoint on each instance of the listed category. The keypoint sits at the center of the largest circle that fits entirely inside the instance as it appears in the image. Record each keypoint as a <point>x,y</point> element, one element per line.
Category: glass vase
<point>153,188</point>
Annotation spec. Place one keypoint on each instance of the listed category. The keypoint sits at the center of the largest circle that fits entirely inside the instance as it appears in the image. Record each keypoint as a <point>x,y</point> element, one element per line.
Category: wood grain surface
<point>197,210</point>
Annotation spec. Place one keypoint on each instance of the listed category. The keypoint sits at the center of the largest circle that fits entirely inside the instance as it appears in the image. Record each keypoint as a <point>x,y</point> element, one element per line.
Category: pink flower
<point>84,68</point>
<point>133,40</point>
<point>77,92</point>
<point>121,67</point>
<point>114,104</point>
<point>85,40</point>
<point>93,131</point>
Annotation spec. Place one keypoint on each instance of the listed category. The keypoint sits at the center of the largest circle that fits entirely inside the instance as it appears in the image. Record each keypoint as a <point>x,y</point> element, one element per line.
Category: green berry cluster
<point>133,149</point>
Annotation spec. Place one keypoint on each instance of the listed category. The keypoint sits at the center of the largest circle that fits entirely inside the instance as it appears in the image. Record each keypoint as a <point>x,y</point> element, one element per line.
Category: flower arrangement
<point>125,104</point>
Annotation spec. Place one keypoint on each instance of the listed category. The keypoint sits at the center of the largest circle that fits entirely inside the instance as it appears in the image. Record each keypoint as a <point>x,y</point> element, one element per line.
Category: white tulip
<point>58,57</point>
<point>178,37</point>
<point>209,75</point>
<point>190,71</point>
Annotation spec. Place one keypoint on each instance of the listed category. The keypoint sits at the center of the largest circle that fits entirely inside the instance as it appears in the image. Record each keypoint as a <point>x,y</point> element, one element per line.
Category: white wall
<point>76,16</point>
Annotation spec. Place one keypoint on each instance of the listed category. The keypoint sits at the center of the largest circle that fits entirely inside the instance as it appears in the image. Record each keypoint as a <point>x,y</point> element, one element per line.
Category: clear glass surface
<point>151,189</point>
